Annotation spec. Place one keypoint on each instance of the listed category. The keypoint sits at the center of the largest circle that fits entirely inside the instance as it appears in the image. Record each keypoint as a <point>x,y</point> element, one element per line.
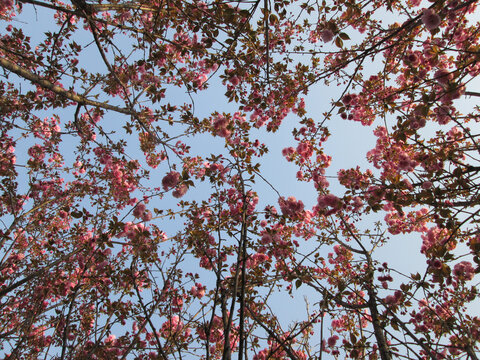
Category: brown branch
<point>68,94</point>
<point>385,353</point>
<point>243,249</point>
<point>336,298</point>
<point>36,273</point>
<point>282,343</point>
<point>92,7</point>
<point>401,323</point>
<point>472,93</point>
<point>148,318</point>
<point>377,327</point>
<point>471,352</point>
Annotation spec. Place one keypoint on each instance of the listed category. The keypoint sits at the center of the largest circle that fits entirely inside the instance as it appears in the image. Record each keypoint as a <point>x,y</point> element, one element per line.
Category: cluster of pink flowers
<point>349,99</point>
<point>340,257</point>
<point>436,237</point>
<point>444,114</point>
<point>119,173</point>
<point>326,35</point>
<point>277,351</point>
<point>305,150</point>
<point>358,106</point>
<point>46,128</point>
<point>269,237</point>
<point>453,92</point>
<point>319,179</point>
<point>464,271</point>
<point>176,303</point>
<point>354,179</point>
<point>180,191</point>
<point>174,327</point>
<point>289,153</point>
<point>291,207</point>
<point>255,260</point>
<point>198,290</point>
<point>413,58</point>
<point>7,156</point>
<point>455,134</point>
<point>417,122</point>
<point>391,156</point>
<point>339,324</point>
<point>394,299</point>
<point>46,188</point>
<point>356,204</point>
<point>131,230</point>
<point>170,180</point>
<point>443,76</point>
<point>401,223</point>
<point>329,203</point>
<point>37,153</point>
<point>430,19</point>
<point>141,212</point>
<point>235,201</point>
<point>220,125</point>
<point>332,340</point>
<point>432,317</point>
<point>6,6</point>
<point>216,335</point>
<point>210,257</point>
<point>233,78</point>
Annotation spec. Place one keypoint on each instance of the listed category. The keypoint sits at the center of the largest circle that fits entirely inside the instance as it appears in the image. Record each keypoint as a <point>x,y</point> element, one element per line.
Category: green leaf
<point>298,283</point>
<point>76,214</point>
<point>273,19</point>
<point>339,42</point>
<point>416,276</point>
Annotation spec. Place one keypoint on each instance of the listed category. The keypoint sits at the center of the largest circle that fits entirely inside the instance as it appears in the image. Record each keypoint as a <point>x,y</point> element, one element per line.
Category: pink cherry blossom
<point>170,180</point>
<point>326,35</point>
<point>139,210</point>
<point>220,125</point>
<point>443,76</point>
<point>180,191</point>
<point>332,340</point>
<point>430,19</point>
<point>291,207</point>
<point>464,270</point>
<point>329,201</point>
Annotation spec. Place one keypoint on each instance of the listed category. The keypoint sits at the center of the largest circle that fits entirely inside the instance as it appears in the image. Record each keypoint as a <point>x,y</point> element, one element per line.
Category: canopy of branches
<point>122,238</point>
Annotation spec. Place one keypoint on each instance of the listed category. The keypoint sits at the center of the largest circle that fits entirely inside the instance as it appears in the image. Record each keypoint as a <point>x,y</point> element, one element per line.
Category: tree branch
<point>68,94</point>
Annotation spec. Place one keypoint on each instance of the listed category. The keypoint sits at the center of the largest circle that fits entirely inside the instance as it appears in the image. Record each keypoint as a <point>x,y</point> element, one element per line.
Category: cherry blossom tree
<point>121,238</point>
